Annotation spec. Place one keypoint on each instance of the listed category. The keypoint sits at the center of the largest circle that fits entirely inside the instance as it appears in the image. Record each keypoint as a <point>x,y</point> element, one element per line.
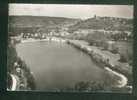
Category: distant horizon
<point>71,10</point>
<point>65,17</point>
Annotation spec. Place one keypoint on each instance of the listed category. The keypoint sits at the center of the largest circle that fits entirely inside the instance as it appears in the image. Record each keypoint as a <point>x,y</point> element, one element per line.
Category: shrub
<point>90,86</point>
<point>123,58</point>
<point>115,50</point>
<point>80,86</point>
<point>31,81</point>
<point>12,57</point>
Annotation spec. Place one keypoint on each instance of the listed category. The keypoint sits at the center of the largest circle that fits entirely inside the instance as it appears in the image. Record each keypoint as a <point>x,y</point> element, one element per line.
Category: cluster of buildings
<point>112,19</point>
<point>40,35</point>
<point>90,31</point>
<point>113,35</point>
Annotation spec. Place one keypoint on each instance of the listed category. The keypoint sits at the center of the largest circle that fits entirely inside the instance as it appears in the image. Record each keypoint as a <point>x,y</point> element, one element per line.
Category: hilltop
<point>104,23</point>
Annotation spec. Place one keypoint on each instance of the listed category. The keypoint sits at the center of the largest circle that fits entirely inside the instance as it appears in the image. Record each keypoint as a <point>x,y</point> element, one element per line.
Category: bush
<point>11,57</point>
<point>115,50</point>
<point>123,58</point>
<point>90,86</point>
<point>31,82</point>
<point>80,86</point>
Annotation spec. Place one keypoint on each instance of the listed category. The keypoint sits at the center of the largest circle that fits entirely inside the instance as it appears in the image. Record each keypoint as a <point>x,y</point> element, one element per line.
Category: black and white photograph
<point>70,48</point>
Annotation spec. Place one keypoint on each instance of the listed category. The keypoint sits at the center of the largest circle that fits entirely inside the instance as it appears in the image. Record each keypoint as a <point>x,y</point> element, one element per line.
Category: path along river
<point>58,65</point>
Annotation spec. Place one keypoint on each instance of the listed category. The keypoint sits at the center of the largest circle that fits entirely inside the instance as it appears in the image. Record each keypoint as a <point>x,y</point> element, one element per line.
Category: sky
<point>71,11</point>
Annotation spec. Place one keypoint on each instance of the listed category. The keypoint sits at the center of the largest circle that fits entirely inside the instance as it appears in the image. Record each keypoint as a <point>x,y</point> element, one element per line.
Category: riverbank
<point>19,73</point>
<point>107,60</point>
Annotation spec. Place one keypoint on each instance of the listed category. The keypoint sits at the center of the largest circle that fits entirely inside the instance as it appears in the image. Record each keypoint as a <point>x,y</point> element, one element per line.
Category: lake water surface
<point>59,65</point>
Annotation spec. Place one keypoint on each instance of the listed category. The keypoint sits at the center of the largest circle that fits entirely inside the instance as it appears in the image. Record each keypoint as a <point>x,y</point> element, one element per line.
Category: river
<point>58,65</point>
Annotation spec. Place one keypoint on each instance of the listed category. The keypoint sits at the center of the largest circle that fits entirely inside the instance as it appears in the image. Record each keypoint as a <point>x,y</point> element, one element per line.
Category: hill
<point>104,23</point>
<point>43,23</point>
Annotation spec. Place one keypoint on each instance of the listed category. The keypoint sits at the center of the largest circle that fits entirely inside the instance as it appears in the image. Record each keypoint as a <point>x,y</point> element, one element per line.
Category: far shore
<point>47,39</point>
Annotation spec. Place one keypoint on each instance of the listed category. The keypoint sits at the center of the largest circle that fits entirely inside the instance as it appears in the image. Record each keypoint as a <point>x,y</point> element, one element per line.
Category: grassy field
<point>125,49</point>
